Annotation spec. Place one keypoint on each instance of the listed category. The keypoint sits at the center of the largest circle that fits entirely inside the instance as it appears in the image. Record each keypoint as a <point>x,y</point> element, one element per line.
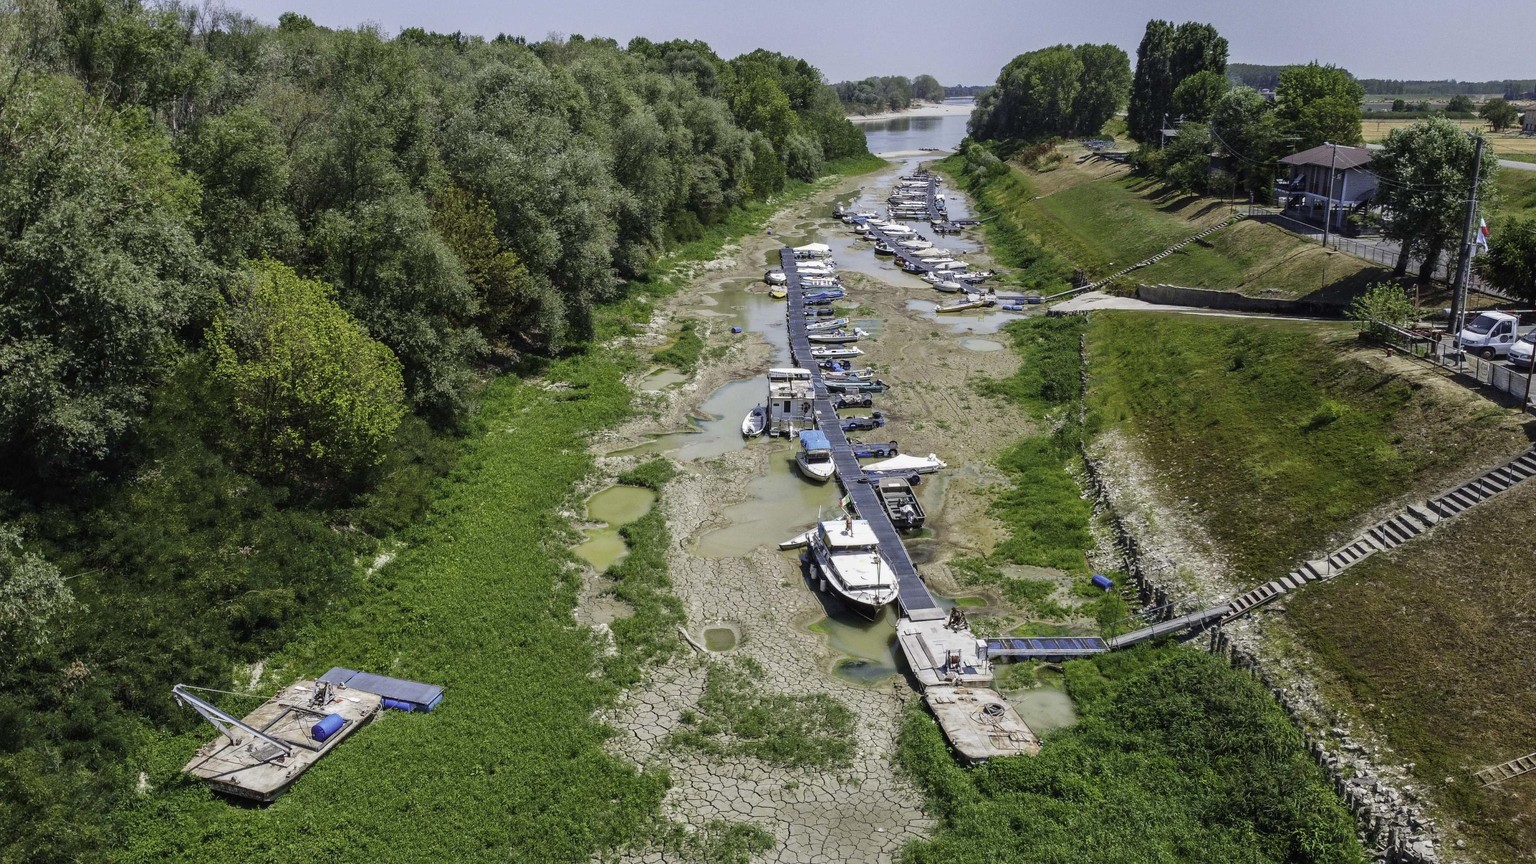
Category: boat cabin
<point>791,401</point>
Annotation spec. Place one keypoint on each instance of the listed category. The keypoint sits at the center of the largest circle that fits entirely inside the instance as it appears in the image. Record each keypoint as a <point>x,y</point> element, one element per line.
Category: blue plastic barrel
<point>1102,581</point>
<point>735,329</point>
<point>399,704</point>
<point>329,725</point>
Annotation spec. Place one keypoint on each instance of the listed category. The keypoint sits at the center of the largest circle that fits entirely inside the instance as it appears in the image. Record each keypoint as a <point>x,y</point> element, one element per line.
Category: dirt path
<point>866,811</point>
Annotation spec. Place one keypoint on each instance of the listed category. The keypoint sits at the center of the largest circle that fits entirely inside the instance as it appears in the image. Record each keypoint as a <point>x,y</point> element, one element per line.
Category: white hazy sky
<point>968,41</point>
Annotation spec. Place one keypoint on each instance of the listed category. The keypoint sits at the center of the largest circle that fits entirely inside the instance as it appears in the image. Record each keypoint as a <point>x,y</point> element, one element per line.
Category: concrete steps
<point>1392,532</point>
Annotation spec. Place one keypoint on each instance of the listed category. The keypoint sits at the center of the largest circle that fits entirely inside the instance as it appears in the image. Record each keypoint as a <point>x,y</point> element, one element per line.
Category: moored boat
<point>778,292</point>
<point>815,457</point>
<point>847,558</point>
<point>881,248</point>
<point>900,503</point>
<point>835,352</point>
<point>971,301</point>
<point>948,286</point>
<point>775,276</point>
<point>830,324</point>
<point>755,422</point>
<point>836,337</point>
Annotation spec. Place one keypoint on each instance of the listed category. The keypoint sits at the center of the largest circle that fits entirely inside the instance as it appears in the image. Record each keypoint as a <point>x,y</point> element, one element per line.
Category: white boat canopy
<point>921,464</point>
<point>814,248</point>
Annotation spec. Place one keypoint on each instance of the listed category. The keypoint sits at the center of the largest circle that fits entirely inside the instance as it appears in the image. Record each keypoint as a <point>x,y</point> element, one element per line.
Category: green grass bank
<point>1285,434</point>
<point>1175,759</point>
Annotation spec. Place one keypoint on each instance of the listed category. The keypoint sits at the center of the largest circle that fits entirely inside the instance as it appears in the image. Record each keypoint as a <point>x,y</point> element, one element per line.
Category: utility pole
<point>1464,262</point>
<point>1328,207</point>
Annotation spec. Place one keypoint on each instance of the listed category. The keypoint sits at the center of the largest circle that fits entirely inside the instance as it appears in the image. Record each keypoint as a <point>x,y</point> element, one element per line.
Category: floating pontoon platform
<point>397,693</point>
<point>980,723</point>
<point>263,767</point>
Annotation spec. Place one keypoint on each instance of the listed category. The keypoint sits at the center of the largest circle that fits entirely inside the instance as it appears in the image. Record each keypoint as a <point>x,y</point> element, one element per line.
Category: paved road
<point>1503,163</point>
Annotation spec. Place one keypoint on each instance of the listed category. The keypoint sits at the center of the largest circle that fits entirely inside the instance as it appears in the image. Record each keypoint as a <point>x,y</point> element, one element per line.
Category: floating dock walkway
<point>916,601</point>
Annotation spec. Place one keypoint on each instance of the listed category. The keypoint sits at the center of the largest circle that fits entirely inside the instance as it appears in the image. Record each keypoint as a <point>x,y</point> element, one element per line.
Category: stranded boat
<point>836,337</point>
<point>836,352</point>
<point>900,503</point>
<point>846,555</point>
<point>755,422</point>
<point>815,457</point>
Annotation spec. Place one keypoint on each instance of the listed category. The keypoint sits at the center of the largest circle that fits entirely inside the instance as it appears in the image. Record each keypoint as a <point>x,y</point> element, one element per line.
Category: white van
<point>1490,334</point>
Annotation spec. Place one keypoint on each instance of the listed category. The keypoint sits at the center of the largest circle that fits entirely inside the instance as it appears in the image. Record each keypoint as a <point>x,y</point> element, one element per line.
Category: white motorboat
<point>829,324</point>
<point>815,457</point>
<point>906,464</point>
<point>836,352</point>
<point>948,286</point>
<point>916,244</point>
<point>755,422</point>
<point>813,250</point>
<point>836,337</point>
<point>848,562</point>
<point>775,277</point>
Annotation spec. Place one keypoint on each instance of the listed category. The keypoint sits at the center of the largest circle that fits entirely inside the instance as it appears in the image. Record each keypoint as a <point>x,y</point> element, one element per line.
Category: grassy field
<point>1175,758</point>
<point>1443,670</point>
<point>1517,194</point>
<point>1278,430</point>
<point>511,766</point>
<point>1096,217</point>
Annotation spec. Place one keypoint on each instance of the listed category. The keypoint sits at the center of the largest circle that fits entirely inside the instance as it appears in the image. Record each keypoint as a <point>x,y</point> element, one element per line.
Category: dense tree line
<point>878,94</point>
<point>1061,91</point>
<point>249,277</point>
<point>1261,77</point>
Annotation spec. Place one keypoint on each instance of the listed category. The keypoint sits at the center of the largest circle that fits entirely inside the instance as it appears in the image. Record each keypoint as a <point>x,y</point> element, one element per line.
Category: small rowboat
<point>755,422</point>
<point>778,292</point>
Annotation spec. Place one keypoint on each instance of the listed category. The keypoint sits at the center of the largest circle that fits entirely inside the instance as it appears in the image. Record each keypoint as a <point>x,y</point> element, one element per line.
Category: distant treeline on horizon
<point>1261,77</point>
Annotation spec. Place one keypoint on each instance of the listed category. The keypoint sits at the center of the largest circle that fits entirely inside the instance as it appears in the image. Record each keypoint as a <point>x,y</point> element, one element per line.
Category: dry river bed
<point>733,501</point>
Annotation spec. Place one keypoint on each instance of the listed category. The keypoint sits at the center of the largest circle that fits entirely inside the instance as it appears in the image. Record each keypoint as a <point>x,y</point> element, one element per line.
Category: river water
<point>916,133</point>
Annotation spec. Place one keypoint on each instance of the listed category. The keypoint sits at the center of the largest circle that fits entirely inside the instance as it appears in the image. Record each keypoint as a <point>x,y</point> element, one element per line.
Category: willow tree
<point>314,397</point>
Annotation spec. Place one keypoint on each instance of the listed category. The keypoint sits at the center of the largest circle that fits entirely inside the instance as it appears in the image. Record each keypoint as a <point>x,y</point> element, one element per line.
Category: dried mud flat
<point>867,810</point>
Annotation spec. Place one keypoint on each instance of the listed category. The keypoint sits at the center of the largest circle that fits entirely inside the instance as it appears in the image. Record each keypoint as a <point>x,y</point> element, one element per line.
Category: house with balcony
<point>1306,192</point>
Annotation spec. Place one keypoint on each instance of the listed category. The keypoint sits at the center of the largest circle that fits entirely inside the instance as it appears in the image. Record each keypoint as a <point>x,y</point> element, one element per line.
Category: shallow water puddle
<point>974,344</point>
<point>616,507</point>
<point>1045,708</point>
<point>720,639</point>
<point>778,506</point>
<point>660,379</point>
<point>984,321</point>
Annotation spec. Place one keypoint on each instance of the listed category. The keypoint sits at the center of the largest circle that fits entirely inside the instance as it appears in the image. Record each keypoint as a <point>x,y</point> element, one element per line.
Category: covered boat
<point>775,277</point>
<point>815,457</point>
<point>813,250</point>
<point>846,555</point>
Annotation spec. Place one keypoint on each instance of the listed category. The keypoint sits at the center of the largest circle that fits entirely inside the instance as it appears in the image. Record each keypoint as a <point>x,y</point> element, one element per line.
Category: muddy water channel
<point>733,501</point>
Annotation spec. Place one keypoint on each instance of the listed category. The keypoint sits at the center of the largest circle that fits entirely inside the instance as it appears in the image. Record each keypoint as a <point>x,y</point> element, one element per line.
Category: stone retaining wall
<point>1206,298</point>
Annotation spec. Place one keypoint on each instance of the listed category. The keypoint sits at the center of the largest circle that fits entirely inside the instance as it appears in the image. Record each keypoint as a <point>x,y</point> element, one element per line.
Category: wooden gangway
<point>1507,770</point>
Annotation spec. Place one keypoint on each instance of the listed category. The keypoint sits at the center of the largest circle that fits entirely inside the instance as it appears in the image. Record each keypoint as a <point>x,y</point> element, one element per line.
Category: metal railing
<point>1436,348</point>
